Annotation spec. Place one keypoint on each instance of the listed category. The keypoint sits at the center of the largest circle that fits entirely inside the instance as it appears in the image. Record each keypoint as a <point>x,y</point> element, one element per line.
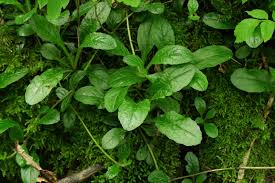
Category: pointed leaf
<point>112,138</point>
<point>51,117</point>
<point>131,115</point>
<point>98,76</point>
<point>133,60</point>
<point>89,95</point>
<point>50,51</point>
<point>20,19</point>
<point>5,124</point>
<point>112,171</point>
<point>193,165</point>
<point>114,98</point>
<point>217,21</point>
<point>199,81</point>
<point>181,129</point>
<point>41,86</point>
<point>257,13</point>
<point>200,105</point>
<point>244,30</point>
<point>99,40</point>
<point>9,77</point>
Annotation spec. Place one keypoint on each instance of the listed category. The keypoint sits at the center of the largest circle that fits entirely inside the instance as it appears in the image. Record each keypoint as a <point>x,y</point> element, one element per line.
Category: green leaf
<point>21,19</point>
<point>125,76</point>
<point>244,1</point>
<point>210,114</point>
<point>114,98</point>
<point>193,165</point>
<point>99,12</point>
<point>5,124</point>
<point>76,78</point>
<point>83,9</point>
<point>154,31</point>
<point>199,81</point>
<point>98,76</point>
<point>98,40</point>
<point>173,55</point>
<point>62,19</point>
<point>41,86</point>
<point>53,9</point>
<point>69,118</point>
<point>25,30</point>
<point>42,3</point>
<point>133,3</point>
<point>46,30</point>
<point>155,8</point>
<point>168,104</point>
<point>87,26</point>
<point>160,87</point>
<point>245,29</point>
<point>201,178</point>
<point>19,159</point>
<point>187,181</point>
<point>120,49</point>
<point>181,129</point>
<point>142,153</point>
<point>211,130</point>
<point>50,51</point>
<point>89,95</point>
<point>273,15</point>
<point>192,6</point>
<point>112,171</point>
<point>12,2</point>
<point>158,176</point>
<point>217,21</point>
<point>256,39</point>
<point>170,80</point>
<point>112,138</point>
<point>251,80</point>
<point>257,13</point>
<point>52,116</point>
<point>66,102</point>
<point>161,32</point>
<point>61,92</point>
<point>134,61</point>
<point>131,115</point>
<point>211,56</point>
<point>124,151</point>
<point>243,52</point>
<point>200,105</point>
<point>199,120</point>
<point>267,29</point>
<point>10,76</point>
<point>116,16</point>
<point>29,174</point>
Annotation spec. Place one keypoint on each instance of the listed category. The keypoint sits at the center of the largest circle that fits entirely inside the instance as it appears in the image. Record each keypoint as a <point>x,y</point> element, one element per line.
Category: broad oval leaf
<point>29,174</point>
<point>131,115</point>
<point>181,129</point>
<point>98,76</point>
<point>211,56</point>
<point>158,176</point>
<point>258,13</point>
<point>267,29</point>
<point>211,130</point>
<point>125,76</point>
<point>133,3</point>
<point>200,105</point>
<point>52,116</point>
<point>112,138</point>
<point>217,21</point>
<point>50,51</point>
<point>133,60</point>
<point>256,39</point>
<point>193,165</point>
<point>89,95</point>
<point>172,55</point>
<point>142,153</point>
<point>192,6</point>
<point>5,124</point>
<point>199,81</point>
<point>243,52</point>
<point>9,77</point>
<point>245,29</point>
<point>46,30</point>
<point>155,8</point>
<point>41,86</point>
<point>98,40</point>
<point>251,80</point>
<point>114,98</point>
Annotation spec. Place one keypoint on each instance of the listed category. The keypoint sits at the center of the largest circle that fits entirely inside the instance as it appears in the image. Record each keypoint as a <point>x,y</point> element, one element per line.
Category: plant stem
<point>128,16</point>
<point>224,169</point>
<point>69,56</point>
<point>78,53</point>
<point>28,4</point>
<point>129,34</point>
<point>94,140</point>
<point>150,149</point>
<point>91,59</point>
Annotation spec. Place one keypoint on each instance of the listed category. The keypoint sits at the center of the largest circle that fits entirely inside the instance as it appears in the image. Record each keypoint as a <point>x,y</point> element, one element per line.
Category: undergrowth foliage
<point>88,74</point>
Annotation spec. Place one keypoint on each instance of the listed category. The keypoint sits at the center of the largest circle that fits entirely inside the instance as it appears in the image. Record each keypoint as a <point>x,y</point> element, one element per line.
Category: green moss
<point>236,112</point>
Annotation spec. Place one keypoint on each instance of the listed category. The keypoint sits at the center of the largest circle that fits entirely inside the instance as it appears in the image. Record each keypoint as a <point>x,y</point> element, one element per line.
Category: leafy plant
<point>210,128</point>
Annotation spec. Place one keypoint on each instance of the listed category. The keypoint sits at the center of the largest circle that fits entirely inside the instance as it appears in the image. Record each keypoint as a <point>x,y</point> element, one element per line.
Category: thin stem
<point>11,155</point>
<point>129,34</point>
<point>69,56</point>
<point>150,149</point>
<point>91,59</point>
<point>94,140</point>
<point>78,53</point>
<point>128,16</point>
<point>224,169</point>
